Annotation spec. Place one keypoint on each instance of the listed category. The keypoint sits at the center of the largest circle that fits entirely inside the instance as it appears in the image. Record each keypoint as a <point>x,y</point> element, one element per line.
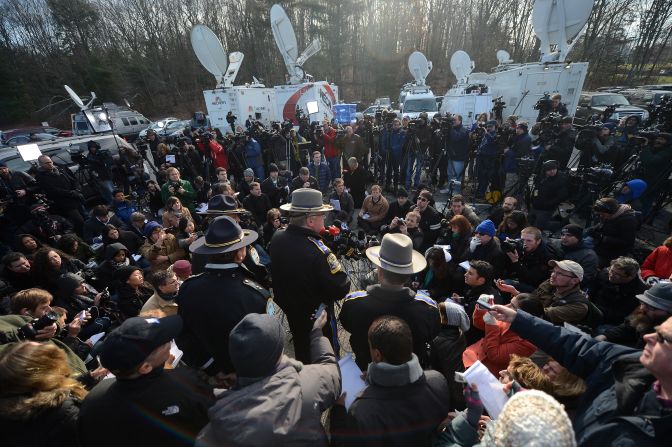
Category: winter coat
<point>276,192</point>
<point>655,167</point>
<point>446,358</point>
<point>169,248</point>
<point>46,227</point>
<point>616,301</point>
<point>298,183</point>
<point>488,147</point>
<point>396,142</point>
<point>61,187</point>
<point>155,302</point>
<point>258,206</point>
<point>496,348</point>
<point>253,154</point>
<point>131,301</point>
<point>354,147</point>
<point>329,138</point>
<point>582,255</point>
<point>347,205</point>
<point>520,148</point>
<point>459,246</point>
<point>322,174</point>
<point>356,181</point>
<point>469,213</point>
<point>94,228</point>
<point>187,197</point>
<point>430,224</point>
<point>550,192</point>
<point>283,409</point>
<point>376,210</point>
<point>165,217</point>
<point>616,235</point>
<point>396,210</point>
<point>572,307</point>
<point>492,253</point>
<point>619,406</point>
<point>532,268</point>
<point>458,144</point>
<point>107,269</point>
<point>658,263</point>
<point>401,406</point>
<point>44,419</point>
<point>129,239</point>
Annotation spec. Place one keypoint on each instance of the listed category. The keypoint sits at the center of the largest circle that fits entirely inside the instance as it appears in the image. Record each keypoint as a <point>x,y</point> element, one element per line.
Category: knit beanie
<point>456,316</point>
<point>255,345</point>
<point>531,419</point>
<point>150,227</point>
<point>125,272</point>
<point>486,227</point>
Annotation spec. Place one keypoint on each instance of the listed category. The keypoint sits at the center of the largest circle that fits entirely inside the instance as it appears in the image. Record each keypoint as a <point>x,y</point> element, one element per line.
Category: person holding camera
<point>458,154</point>
<point>550,190</point>
<point>179,188</point>
<point>416,155</point>
<point>231,119</point>
<point>408,226</point>
<point>62,189</point>
<point>486,157</point>
<point>560,148</point>
<point>101,163</point>
<point>521,146</point>
<point>527,259</point>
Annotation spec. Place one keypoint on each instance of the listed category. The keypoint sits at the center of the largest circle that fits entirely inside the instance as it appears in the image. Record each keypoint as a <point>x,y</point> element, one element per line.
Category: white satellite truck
<point>557,24</point>
<point>242,100</point>
<point>316,99</point>
<point>417,97</point>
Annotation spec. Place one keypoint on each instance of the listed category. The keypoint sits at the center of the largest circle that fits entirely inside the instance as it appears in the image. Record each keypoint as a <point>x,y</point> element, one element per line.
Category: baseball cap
<point>573,230</point>
<point>131,343</point>
<point>568,266</point>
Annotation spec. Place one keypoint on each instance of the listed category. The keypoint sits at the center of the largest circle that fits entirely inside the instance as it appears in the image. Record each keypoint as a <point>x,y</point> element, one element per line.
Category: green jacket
<point>187,198</point>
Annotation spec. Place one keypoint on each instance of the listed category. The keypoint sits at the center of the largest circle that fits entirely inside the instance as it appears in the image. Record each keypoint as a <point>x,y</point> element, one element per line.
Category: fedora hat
<point>306,200</point>
<point>395,254</point>
<point>222,236</point>
<point>221,205</point>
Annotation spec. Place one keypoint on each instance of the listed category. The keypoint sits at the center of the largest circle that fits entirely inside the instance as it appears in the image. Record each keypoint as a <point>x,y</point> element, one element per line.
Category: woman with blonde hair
<point>39,399</point>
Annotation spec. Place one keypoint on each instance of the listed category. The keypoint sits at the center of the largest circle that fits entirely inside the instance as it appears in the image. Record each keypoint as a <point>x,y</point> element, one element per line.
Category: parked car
<point>595,103</point>
<point>157,126</point>
<point>643,98</point>
<point>32,138</point>
<point>7,134</point>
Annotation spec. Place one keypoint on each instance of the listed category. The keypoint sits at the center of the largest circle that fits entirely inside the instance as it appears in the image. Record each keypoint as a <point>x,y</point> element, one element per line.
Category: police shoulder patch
<point>355,295</point>
<point>421,296</point>
<point>319,244</point>
<point>334,265</point>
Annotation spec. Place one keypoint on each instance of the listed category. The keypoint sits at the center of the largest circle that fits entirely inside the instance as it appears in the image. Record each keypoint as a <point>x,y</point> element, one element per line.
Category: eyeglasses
<point>559,273</point>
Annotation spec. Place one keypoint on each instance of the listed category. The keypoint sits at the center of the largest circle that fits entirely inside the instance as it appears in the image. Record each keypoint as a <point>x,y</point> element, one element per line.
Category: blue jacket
<point>396,142</point>
<point>323,175</point>
<point>619,406</point>
<point>253,153</point>
<point>637,188</point>
<point>458,147</point>
<point>521,147</point>
<point>488,145</point>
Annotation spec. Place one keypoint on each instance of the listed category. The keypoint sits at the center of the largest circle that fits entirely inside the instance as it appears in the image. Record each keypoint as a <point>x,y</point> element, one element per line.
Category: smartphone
<point>82,315</point>
<point>319,310</point>
<point>484,305</point>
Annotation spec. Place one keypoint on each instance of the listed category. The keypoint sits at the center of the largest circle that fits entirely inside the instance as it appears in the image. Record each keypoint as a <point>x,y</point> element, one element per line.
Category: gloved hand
<point>474,405</point>
<point>475,242</point>
<point>489,319</point>
<point>651,280</point>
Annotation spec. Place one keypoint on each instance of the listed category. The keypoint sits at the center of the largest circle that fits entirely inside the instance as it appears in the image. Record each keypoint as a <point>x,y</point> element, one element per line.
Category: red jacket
<point>218,153</point>
<point>658,263</point>
<point>330,150</point>
<point>495,349</point>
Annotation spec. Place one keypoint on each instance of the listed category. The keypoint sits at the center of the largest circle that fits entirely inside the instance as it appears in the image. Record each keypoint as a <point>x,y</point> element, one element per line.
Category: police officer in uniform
<point>221,205</point>
<point>305,272</point>
<point>212,303</point>
<point>396,261</point>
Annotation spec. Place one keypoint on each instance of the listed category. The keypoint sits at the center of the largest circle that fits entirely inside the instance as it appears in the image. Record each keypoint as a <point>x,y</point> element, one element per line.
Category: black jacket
<point>389,416</point>
<point>492,253</point>
<point>582,255</point>
<point>531,268</point>
<point>38,427</point>
<point>430,224</point>
<point>258,206</point>
<point>130,301</point>
<point>396,210</point>
<point>619,406</point>
<point>94,227</point>
<point>561,149</point>
<point>447,349</point>
<point>616,301</point>
<point>61,187</point>
<point>276,192</point>
<point>361,308</point>
<point>46,227</point>
<point>163,408</point>
<point>356,181</point>
<point>211,304</point>
<point>550,192</point>
<point>616,237</point>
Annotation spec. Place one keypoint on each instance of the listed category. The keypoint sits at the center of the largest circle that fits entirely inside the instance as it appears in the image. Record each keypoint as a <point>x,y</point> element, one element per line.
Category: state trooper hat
<point>222,236</point>
<point>306,201</point>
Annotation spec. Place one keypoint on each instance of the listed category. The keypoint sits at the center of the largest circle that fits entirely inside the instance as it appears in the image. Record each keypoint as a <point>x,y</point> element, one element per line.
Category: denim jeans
<point>418,160</point>
<point>456,172</point>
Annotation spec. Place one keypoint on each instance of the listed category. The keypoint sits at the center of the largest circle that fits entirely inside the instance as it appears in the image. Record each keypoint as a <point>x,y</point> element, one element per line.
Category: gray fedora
<point>305,201</point>
<point>659,296</point>
<point>396,254</point>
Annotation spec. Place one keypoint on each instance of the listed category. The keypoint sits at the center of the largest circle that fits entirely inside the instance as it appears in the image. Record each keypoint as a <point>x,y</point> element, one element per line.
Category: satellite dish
<point>75,97</point>
<point>77,100</point>
<point>209,51</point>
<point>461,65</point>
<point>557,22</point>
<point>235,61</point>
<point>419,67</point>
<point>503,57</point>
<point>284,36</point>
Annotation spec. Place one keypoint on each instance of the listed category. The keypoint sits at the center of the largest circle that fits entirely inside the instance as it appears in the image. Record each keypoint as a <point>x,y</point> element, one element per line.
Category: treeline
<point>140,49</point>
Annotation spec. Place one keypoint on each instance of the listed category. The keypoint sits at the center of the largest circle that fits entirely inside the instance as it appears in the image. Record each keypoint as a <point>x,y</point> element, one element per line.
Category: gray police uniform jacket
<point>211,304</point>
<point>361,308</point>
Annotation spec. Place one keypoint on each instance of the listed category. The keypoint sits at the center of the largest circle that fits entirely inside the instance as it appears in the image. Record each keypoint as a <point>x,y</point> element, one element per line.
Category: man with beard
<point>166,286</point>
<point>654,308</point>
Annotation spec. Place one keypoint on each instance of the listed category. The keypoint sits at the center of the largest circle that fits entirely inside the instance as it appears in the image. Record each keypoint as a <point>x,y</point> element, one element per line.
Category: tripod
<point>412,148</point>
